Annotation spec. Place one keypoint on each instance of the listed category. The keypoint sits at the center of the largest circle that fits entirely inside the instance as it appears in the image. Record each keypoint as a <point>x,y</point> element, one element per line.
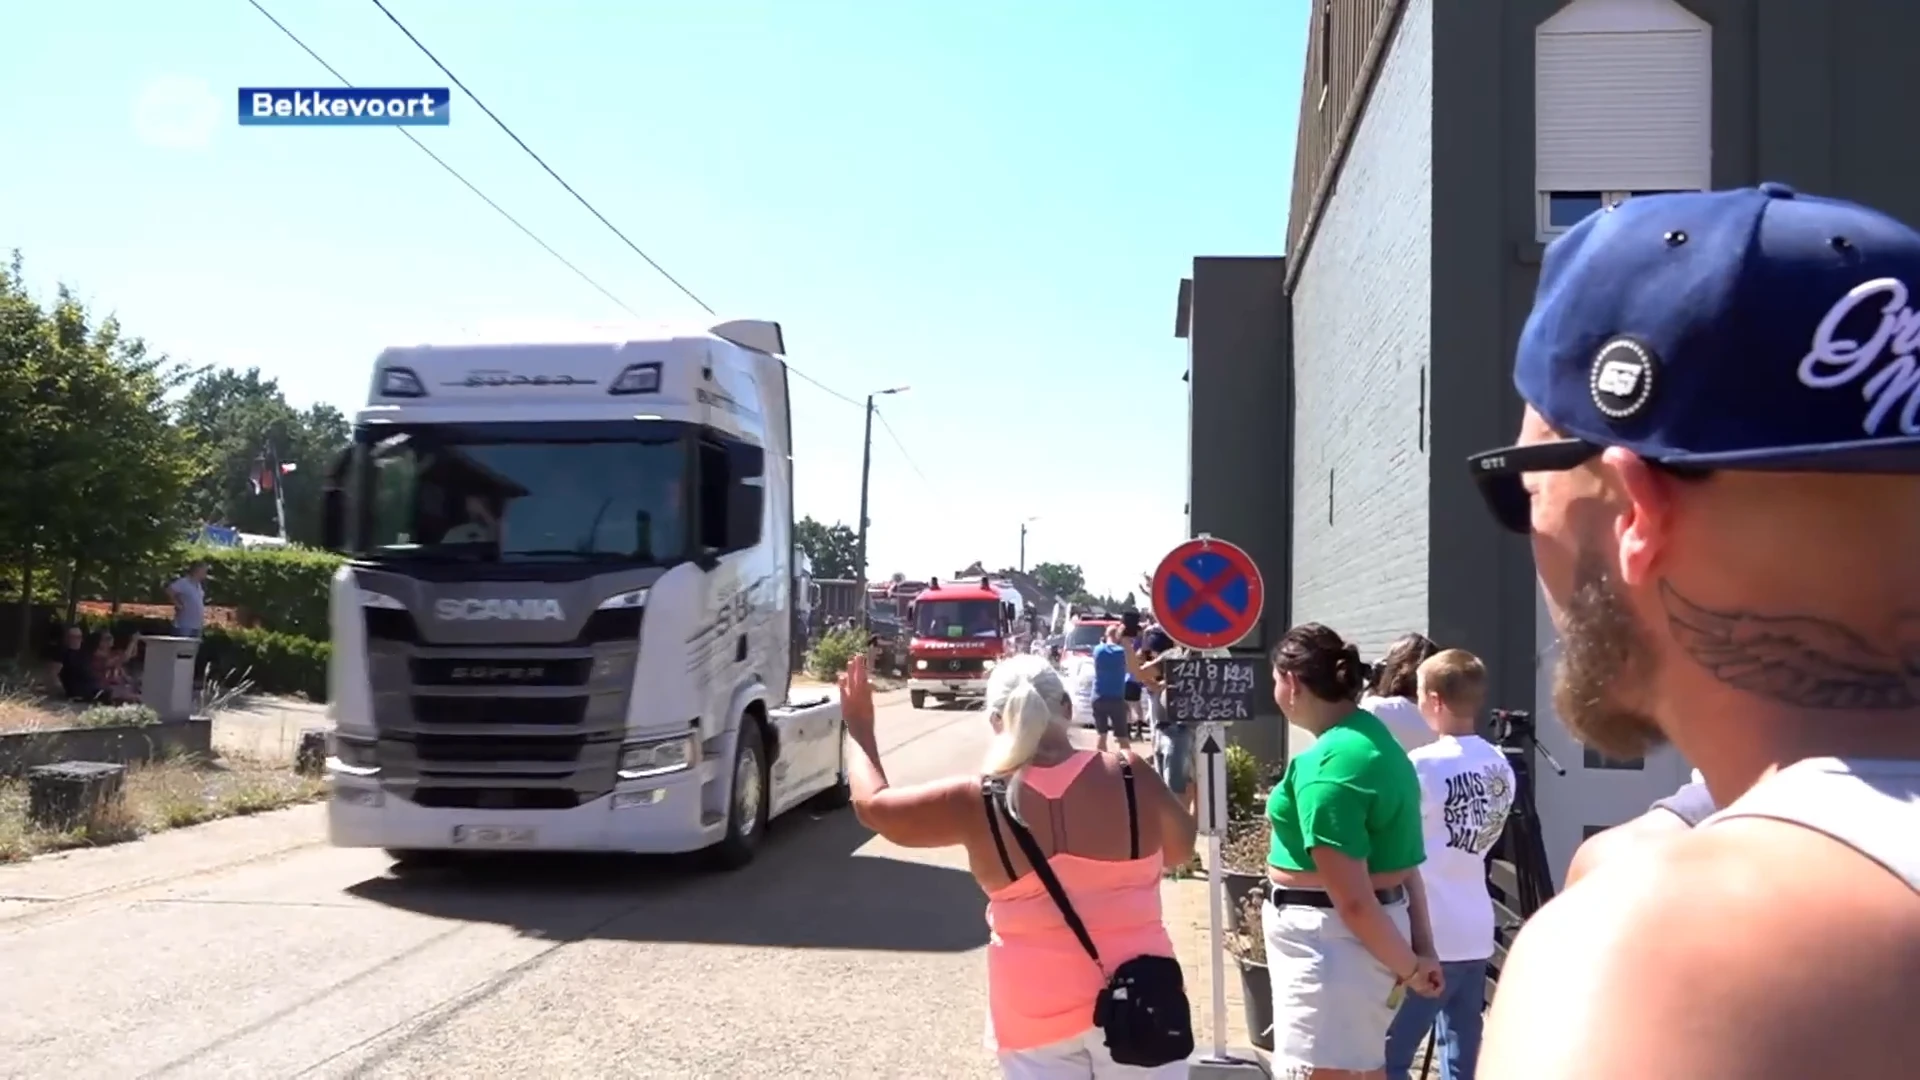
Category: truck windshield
<point>957,618</point>
<point>1084,636</point>
<point>465,495</point>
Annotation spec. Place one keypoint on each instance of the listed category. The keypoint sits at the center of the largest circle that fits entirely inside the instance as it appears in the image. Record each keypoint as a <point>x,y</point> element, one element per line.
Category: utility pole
<point>866,472</point>
<point>1023,542</point>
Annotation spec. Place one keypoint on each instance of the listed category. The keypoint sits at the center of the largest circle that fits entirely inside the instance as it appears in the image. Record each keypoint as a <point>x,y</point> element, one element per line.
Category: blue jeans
<point>1454,1017</point>
<point>1173,751</point>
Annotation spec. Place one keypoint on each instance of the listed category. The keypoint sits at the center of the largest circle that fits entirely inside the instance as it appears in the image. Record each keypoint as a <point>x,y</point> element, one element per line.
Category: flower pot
<point>1239,884</point>
<point>1256,998</point>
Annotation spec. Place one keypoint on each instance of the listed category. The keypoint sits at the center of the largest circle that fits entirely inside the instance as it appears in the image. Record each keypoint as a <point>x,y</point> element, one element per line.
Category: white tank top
<point>1871,805</point>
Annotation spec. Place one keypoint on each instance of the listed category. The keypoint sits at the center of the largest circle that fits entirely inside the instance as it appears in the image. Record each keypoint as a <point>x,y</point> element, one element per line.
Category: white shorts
<point>1083,1057</point>
<point>1332,1001</point>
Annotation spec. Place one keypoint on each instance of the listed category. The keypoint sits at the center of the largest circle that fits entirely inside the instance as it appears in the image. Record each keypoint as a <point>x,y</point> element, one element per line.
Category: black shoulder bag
<point>1143,1009</point>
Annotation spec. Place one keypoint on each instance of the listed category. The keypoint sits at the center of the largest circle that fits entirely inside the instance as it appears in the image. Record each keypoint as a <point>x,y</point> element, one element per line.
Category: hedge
<point>274,662</point>
<point>282,589</point>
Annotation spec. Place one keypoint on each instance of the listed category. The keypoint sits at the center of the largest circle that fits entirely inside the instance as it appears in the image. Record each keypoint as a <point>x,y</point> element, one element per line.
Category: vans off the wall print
<point>1476,808</point>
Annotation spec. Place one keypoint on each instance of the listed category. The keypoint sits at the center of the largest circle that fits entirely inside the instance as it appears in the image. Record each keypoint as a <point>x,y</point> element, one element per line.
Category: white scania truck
<point>566,621</point>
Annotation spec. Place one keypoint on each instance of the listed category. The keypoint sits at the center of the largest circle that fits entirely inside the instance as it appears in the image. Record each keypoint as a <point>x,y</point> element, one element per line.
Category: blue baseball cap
<point>1757,329</point>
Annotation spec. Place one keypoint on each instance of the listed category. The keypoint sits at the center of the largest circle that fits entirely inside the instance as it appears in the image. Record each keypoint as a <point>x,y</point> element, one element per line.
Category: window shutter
<point>1623,110</point>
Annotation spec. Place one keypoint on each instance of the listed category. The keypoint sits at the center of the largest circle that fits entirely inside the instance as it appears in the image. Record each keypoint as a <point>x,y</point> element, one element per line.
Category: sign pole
<point>1208,594</point>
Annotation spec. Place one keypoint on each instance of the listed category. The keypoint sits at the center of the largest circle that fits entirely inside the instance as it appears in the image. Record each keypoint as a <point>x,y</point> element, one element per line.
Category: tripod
<point>1521,846</point>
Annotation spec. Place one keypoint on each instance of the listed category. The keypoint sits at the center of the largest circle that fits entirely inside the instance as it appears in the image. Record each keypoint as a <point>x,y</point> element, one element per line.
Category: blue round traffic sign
<point>1208,594</point>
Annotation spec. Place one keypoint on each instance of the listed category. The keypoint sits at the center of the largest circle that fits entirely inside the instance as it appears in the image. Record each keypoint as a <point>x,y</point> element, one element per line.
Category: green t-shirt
<point>1353,791</point>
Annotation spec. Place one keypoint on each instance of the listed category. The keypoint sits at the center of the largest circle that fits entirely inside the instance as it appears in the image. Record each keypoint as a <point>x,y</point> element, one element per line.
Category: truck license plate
<point>492,836</point>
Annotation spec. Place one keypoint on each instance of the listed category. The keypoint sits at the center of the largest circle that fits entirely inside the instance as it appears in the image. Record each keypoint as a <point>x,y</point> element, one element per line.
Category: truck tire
<point>841,793</point>
<point>746,799</point>
<point>918,697</point>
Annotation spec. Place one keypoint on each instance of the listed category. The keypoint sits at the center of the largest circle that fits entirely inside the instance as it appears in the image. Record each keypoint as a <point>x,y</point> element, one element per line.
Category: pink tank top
<point>1041,984</point>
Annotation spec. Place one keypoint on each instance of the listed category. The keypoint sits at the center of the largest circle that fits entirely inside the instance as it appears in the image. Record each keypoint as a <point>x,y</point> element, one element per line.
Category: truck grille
<point>956,667</point>
<point>504,726</point>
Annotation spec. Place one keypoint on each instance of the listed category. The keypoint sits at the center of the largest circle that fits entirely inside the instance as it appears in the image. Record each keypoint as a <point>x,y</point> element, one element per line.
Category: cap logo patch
<point>1622,378</point>
<point>1835,360</point>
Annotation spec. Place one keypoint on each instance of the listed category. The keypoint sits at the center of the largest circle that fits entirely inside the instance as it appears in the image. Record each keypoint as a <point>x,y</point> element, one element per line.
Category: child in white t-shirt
<point>1466,792</point>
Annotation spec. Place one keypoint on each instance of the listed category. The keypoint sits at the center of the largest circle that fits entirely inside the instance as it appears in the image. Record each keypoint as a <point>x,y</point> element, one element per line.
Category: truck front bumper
<point>958,687</point>
<point>657,815</point>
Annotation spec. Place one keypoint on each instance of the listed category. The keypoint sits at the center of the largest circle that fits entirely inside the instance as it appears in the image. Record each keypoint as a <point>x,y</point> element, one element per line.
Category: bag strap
<point>1031,849</point>
<point>1133,809</point>
<point>993,825</point>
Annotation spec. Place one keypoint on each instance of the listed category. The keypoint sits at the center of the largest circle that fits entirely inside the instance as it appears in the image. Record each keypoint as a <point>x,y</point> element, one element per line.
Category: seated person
<point>481,527</point>
<point>77,679</point>
<point>109,665</point>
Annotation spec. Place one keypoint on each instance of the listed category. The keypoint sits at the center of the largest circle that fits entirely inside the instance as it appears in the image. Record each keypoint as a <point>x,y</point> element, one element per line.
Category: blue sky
<point>991,202</point>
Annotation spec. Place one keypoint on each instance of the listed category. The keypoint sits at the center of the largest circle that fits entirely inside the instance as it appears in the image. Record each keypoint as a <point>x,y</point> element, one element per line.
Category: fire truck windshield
<point>957,619</point>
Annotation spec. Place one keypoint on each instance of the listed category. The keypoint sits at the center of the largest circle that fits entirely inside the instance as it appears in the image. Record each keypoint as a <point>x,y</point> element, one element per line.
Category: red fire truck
<point>959,632</point>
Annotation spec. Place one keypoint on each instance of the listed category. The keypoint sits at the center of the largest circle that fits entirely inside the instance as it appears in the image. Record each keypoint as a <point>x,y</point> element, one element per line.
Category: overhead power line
<point>451,171</point>
<point>538,160</point>
<point>898,445</point>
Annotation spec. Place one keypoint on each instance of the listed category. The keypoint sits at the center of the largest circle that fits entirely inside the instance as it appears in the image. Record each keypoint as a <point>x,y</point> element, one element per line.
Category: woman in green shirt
<point>1345,920</point>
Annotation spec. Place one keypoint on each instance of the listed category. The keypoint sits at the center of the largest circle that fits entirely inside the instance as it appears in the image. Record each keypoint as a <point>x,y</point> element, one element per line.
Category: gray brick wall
<point>1361,319</point>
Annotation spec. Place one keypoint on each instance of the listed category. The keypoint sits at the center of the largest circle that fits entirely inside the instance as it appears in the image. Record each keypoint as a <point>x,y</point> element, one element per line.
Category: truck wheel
<point>746,799</point>
<point>918,697</point>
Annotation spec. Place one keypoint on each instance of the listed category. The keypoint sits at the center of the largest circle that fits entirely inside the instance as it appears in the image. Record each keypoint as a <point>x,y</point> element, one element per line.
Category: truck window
<point>732,494</point>
<point>439,495</point>
<point>957,618</point>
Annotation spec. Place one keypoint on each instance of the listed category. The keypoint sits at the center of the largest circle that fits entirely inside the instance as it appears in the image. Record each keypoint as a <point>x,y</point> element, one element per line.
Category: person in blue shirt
<point>1110,677</point>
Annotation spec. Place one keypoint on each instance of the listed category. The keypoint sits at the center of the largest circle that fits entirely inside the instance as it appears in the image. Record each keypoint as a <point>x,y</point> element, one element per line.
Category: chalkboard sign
<point>1212,689</point>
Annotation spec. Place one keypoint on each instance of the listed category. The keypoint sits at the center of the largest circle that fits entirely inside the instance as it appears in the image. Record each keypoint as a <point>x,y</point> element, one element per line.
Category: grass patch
<point>159,796</point>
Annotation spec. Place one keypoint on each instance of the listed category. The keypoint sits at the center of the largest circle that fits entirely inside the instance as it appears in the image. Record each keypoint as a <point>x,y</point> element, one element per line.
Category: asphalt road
<point>250,948</point>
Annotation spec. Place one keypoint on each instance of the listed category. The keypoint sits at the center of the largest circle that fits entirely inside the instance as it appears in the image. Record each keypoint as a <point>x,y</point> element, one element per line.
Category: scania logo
<point>475,609</point>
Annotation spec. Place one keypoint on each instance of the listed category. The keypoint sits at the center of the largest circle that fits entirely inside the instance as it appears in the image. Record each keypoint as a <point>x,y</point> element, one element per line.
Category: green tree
<point>240,418</point>
<point>834,549</point>
<point>100,469</point>
<point>1063,579</point>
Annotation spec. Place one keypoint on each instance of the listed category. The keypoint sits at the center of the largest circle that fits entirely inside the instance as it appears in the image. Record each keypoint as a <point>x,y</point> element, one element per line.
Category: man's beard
<point>1605,661</point>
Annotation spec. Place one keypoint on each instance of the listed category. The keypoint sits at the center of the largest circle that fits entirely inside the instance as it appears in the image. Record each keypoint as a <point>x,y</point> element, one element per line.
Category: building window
<point>1594,759</point>
<point>1562,210</point>
<point>1623,105</point>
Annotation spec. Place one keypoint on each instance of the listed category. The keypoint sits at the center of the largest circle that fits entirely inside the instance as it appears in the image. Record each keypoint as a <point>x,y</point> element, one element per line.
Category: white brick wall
<point>1362,311</point>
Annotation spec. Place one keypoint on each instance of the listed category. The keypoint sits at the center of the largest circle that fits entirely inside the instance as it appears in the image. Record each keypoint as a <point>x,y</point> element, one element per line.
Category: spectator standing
<point>1110,677</point>
<point>1718,466</point>
<point>1105,829</point>
<point>1346,921</point>
<point>189,595</point>
<point>1391,697</point>
<point>1466,792</point>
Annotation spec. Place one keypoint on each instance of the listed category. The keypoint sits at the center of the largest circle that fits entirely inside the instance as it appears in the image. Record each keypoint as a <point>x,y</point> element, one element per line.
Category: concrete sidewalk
<point>265,728</point>
<point>1184,904</point>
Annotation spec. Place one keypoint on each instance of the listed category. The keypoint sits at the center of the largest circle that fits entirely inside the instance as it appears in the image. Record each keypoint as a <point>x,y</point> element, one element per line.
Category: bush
<point>834,650</point>
<point>273,662</point>
<point>119,716</point>
<point>268,661</point>
<point>283,589</point>
<point>1243,784</point>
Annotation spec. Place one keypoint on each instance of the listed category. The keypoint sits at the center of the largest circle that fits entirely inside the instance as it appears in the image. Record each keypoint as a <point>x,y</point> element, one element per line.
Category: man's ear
<point>1646,513</point>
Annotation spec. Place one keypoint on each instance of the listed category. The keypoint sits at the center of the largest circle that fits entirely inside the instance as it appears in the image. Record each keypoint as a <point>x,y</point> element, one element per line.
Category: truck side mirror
<point>333,502</point>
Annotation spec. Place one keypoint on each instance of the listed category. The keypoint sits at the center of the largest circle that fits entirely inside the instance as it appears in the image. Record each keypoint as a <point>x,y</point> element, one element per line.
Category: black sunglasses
<point>1497,473</point>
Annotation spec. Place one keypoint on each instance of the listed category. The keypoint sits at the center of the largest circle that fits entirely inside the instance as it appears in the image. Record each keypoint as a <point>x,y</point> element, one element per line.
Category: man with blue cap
<point>1719,470</point>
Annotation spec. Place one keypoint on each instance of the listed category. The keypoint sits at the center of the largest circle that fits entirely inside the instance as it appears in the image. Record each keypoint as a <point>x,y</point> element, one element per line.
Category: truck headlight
<point>920,665</point>
<point>658,757</point>
<point>988,666</point>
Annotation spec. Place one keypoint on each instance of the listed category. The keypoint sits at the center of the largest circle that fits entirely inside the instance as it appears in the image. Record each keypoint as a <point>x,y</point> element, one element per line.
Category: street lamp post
<point>1023,541</point>
<point>866,470</point>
